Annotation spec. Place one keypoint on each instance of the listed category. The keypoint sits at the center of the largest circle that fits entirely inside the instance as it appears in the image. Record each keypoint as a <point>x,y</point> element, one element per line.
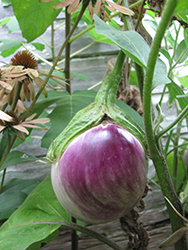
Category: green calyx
<point>103,108</point>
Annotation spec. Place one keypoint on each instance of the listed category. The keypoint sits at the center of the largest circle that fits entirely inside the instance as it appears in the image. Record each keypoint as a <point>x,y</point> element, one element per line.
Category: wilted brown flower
<point>12,120</point>
<point>24,58</point>
<point>94,7</point>
<point>29,64</point>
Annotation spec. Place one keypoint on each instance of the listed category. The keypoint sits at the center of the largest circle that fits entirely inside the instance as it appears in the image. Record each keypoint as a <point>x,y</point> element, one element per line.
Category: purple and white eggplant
<point>101,175</point>
<point>99,160</point>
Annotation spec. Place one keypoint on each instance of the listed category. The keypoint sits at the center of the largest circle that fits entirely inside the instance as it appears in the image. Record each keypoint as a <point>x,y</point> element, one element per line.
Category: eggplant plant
<point>99,160</point>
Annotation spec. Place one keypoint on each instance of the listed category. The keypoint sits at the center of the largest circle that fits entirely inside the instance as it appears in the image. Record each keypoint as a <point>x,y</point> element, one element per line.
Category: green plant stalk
<point>81,33</point>
<point>52,41</point>
<point>155,151</point>
<point>95,85</point>
<point>40,57</point>
<point>175,45</point>
<point>84,6</point>
<point>67,52</point>
<point>176,143</point>
<point>77,52</point>
<point>170,126</point>
<point>3,179</point>
<point>49,46</point>
<point>107,93</point>
<point>179,59</point>
<point>74,236</point>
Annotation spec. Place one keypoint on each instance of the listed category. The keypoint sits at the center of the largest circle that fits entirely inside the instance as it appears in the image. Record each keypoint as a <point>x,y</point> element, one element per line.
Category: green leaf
<point>27,224</point>
<point>183,16</point>
<point>181,171</point>
<point>139,120</point>
<point>181,6</point>
<point>133,45</point>
<point>9,46</point>
<point>173,238</point>
<point>176,92</point>
<point>4,21</point>
<point>99,37</point>
<point>186,36</point>
<point>13,24</point>
<point>66,107</point>
<point>6,3</point>
<point>166,54</point>
<point>181,52</point>
<point>152,23</point>
<point>38,46</point>
<point>34,16</point>
<point>16,157</point>
<point>184,81</point>
<point>38,245</point>
<point>79,75</point>
<point>13,194</point>
<point>130,42</point>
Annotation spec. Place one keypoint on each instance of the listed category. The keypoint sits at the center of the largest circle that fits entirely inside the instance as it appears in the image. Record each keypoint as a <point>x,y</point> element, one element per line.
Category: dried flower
<point>24,58</point>
<point>94,7</point>
<point>12,120</point>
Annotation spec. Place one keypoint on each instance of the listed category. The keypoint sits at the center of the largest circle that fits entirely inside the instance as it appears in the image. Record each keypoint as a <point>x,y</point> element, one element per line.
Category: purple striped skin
<point>101,175</point>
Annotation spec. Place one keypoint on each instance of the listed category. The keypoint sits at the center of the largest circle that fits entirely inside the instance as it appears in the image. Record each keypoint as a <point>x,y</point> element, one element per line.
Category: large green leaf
<point>16,157</point>
<point>13,194</point>
<point>130,42</point>
<point>38,217</point>
<point>133,45</point>
<point>66,107</point>
<point>34,16</point>
<point>27,225</point>
<point>181,6</point>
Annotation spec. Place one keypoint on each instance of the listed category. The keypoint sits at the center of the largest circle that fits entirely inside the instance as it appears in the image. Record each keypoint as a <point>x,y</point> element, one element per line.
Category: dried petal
<point>6,117</point>
<point>21,128</point>
<point>120,8</point>
<point>31,117</point>
<point>38,121</point>
<point>33,73</point>
<point>39,82</point>
<point>73,6</point>
<point>6,86</point>
<point>62,4</point>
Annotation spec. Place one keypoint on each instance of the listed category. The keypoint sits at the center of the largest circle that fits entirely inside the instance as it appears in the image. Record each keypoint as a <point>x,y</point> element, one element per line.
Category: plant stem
<point>170,126</point>
<point>67,51</point>
<point>84,6</point>
<point>77,52</point>
<point>52,41</point>
<point>81,33</point>
<point>106,93</point>
<point>74,236</point>
<point>155,150</point>
<point>3,179</point>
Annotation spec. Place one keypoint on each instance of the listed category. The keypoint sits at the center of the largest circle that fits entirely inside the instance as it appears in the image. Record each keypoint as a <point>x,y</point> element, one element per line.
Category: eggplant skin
<point>101,175</point>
